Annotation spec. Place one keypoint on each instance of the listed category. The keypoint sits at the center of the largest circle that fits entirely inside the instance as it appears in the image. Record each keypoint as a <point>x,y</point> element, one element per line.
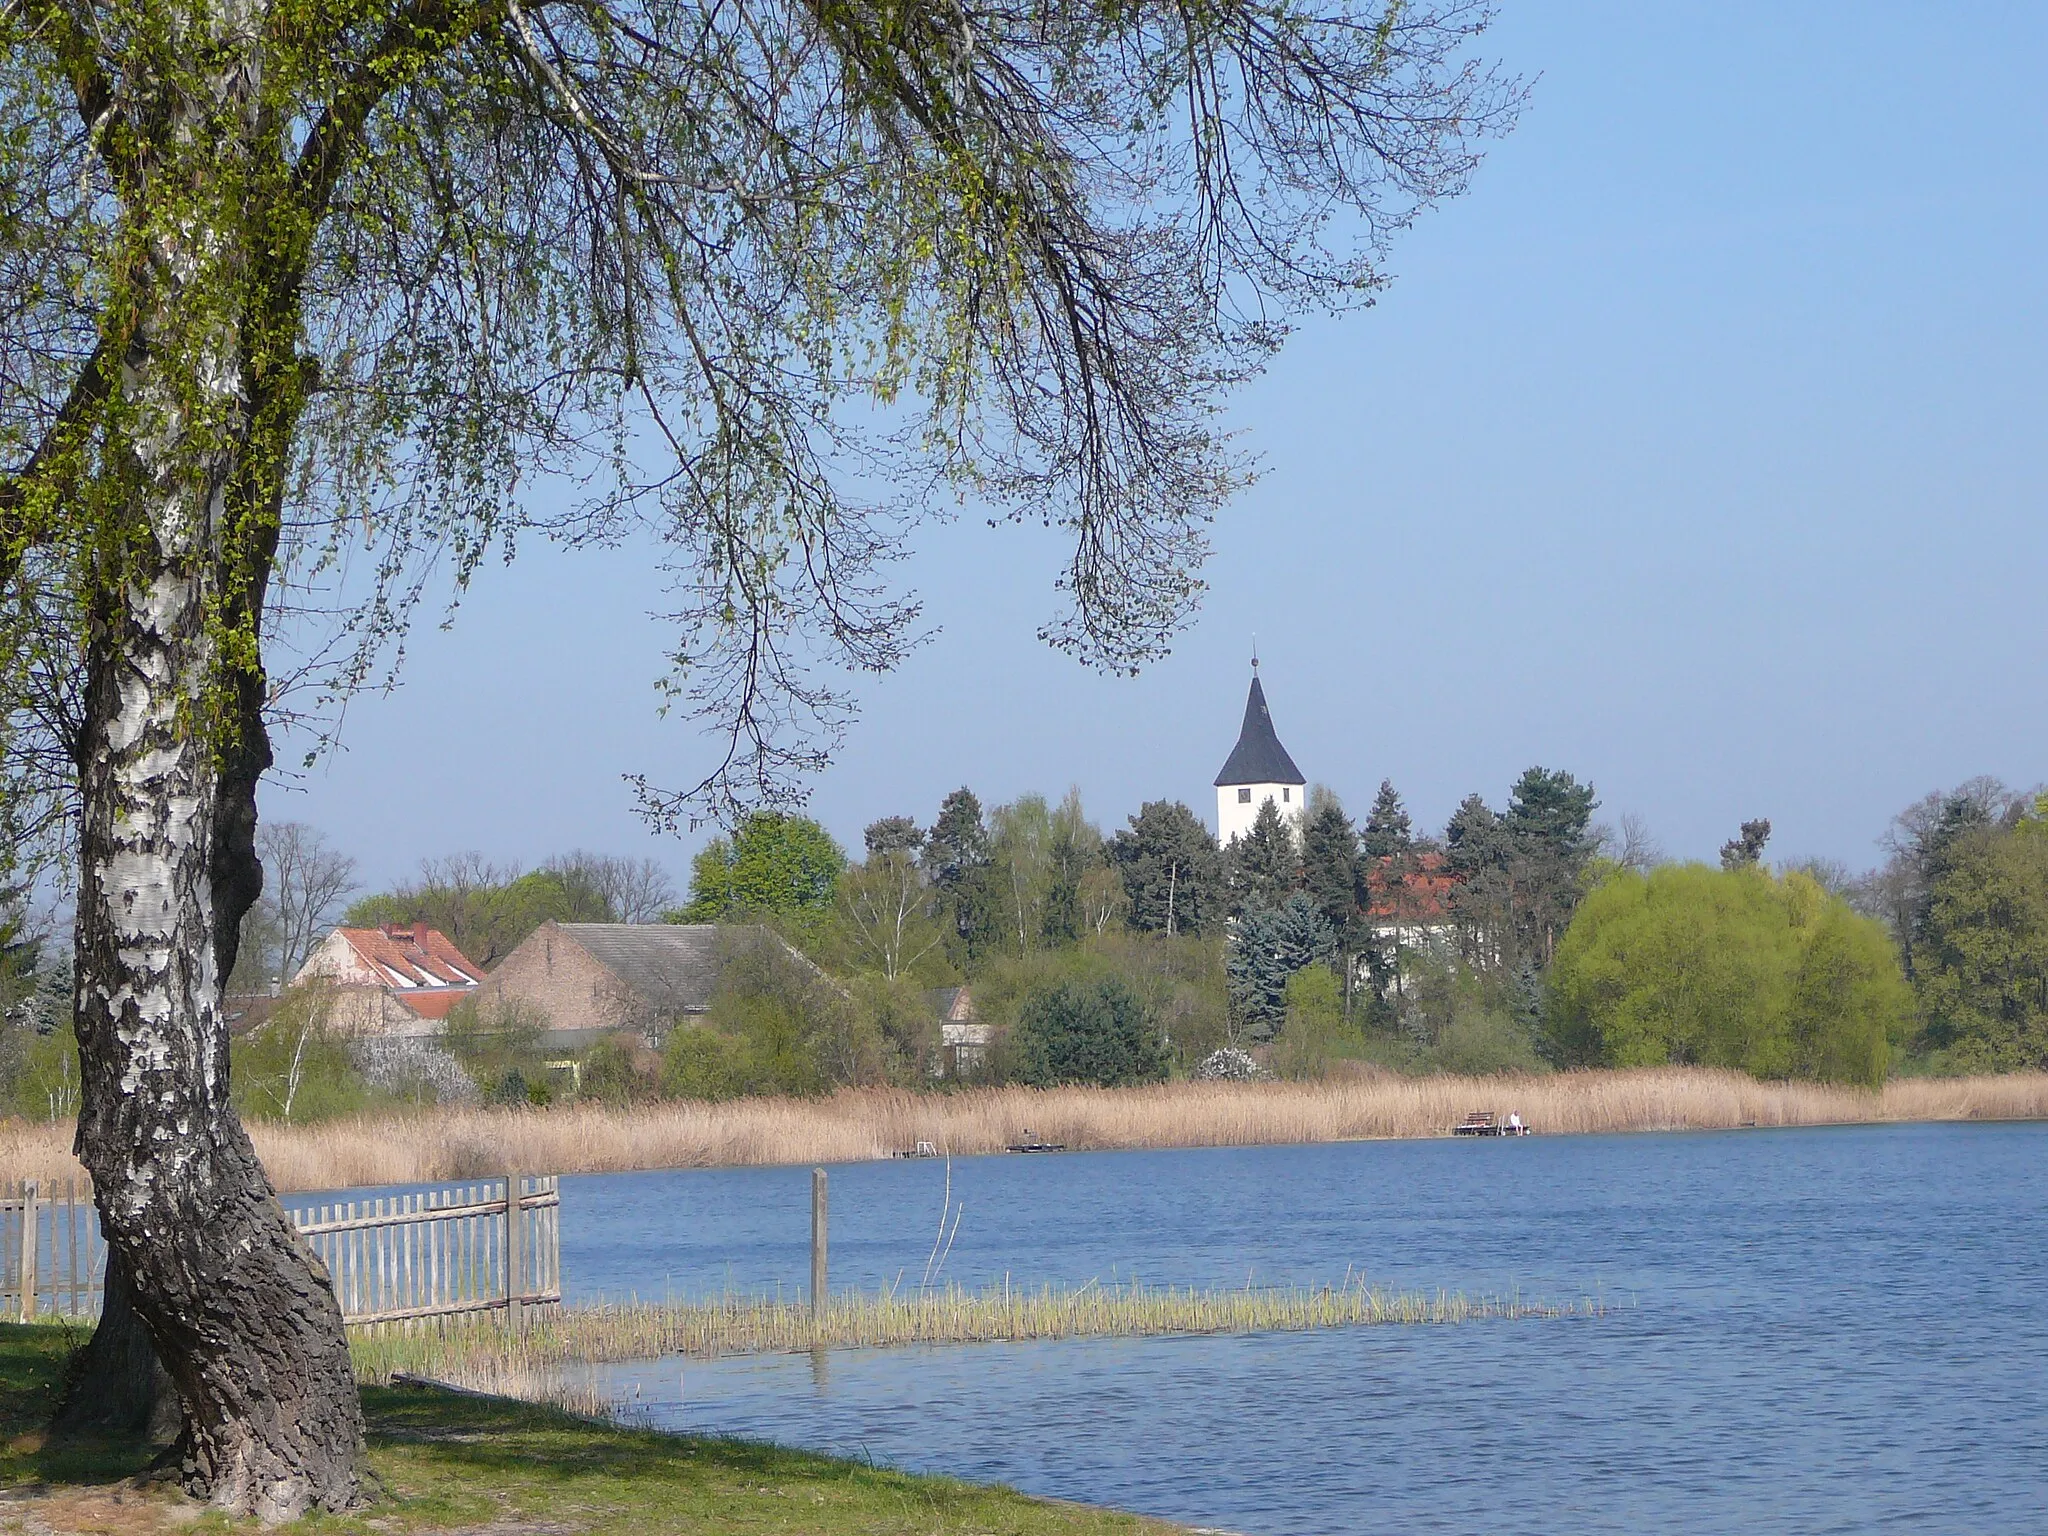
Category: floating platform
<point>1037,1146</point>
<point>1484,1122</point>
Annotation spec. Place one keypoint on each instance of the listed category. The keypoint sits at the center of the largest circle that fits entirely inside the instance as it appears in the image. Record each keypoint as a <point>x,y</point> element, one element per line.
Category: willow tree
<point>295,286</point>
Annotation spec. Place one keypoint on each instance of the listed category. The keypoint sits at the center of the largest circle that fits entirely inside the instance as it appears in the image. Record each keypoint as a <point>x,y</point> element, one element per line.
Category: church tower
<point>1259,770</point>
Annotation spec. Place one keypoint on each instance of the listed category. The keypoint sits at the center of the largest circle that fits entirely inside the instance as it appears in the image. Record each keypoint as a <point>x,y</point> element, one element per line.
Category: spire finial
<point>1255,651</point>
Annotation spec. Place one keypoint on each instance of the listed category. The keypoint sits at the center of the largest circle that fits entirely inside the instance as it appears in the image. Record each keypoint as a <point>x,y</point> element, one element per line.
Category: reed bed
<point>859,1124</point>
<point>484,1354</point>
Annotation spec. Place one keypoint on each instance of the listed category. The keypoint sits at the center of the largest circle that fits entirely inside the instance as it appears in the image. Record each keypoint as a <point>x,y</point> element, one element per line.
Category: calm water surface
<point>1812,1331</point>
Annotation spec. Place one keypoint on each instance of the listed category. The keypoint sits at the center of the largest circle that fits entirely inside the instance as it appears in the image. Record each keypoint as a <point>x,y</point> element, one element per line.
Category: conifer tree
<point>1388,847</point>
<point>960,859</point>
<point>1388,832</point>
<point>1267,947</point>
<point>1264,865</point>
<point>1171,870</point>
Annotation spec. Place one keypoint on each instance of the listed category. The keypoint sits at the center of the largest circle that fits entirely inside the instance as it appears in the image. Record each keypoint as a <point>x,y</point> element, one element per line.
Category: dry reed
<point>484,1354</point>
<point>859,1124</point>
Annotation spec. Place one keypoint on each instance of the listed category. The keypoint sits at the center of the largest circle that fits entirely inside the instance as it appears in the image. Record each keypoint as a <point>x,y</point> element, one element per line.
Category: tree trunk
<point>242,1316</point>
<point>116,1387</point>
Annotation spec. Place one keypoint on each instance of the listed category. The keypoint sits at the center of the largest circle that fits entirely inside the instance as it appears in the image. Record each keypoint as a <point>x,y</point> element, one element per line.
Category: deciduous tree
<point>772,864</point>
<point>282,277</point>
<point>1725,968</point>
<point>1983,950</point>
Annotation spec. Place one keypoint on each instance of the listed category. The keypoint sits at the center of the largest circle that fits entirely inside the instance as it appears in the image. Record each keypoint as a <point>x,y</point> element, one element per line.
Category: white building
<point>1258,770</point>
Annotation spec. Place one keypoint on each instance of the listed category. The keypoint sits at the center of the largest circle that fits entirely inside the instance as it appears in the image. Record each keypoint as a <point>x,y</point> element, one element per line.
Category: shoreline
<point>862,1125</point>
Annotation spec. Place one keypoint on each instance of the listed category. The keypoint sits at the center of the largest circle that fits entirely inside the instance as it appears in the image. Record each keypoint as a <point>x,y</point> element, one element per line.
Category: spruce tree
<point>1388,832</point>
<point>1267,947</point>
<point>959,858</point>
<point>1264,865</point>
<point>1388,845</point>
<point>1329,864</point>
<point>1549,823</point>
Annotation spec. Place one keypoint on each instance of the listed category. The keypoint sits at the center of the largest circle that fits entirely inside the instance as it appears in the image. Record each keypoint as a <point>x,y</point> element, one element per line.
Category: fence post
<point>515,1245</point>
<point>817,1242</point>
<point>31,1218</point>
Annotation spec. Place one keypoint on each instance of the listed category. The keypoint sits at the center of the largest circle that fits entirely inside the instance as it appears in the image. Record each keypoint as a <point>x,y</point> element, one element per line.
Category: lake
<point>1808,1331</point>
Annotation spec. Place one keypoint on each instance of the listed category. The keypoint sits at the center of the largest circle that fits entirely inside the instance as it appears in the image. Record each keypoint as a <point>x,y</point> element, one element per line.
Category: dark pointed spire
<point>1258,757</point>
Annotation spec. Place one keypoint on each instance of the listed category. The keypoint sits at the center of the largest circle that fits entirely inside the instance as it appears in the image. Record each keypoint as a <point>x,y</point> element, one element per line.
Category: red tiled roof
<point>1422,897</point>
<point>413,957</point>
<point>431,1004</point>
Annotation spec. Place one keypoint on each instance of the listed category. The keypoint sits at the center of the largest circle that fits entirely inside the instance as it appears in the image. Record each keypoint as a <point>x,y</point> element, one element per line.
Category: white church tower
<point>1259,770</point>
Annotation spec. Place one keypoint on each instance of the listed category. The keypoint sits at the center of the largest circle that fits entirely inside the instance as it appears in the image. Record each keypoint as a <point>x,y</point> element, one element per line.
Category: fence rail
<point>393,1259</point>
<point>52,1257</point>
<point>442,1252</point>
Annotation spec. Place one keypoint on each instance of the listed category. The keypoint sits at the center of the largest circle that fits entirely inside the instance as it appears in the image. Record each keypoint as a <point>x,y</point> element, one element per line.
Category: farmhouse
<point>394,980</point>
<point>583,981</point>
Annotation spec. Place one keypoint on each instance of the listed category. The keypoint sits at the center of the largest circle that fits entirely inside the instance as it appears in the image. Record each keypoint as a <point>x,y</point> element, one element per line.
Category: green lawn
<point>444,1462</point>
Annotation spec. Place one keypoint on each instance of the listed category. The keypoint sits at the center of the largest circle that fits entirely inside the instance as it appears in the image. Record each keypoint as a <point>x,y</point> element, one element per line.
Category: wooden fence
<point>394,1258</point>
<point>52,1256</point>
<point>442,1252</point>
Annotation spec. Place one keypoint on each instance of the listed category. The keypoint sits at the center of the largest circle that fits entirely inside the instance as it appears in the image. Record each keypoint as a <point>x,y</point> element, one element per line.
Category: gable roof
<point>1258,757</point>
<point>396,956</point>
<point>671,965</point>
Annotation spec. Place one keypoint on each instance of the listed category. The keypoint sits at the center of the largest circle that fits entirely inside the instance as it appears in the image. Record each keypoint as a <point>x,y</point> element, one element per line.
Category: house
<point>394,980</point>
<point>963,1039</point>
<point>588,980</point>
<point>1411,908</point>
<point>1257,770</point>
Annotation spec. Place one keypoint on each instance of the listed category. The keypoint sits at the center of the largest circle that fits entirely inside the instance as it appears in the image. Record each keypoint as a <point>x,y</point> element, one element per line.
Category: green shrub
<point>1481,1041</point>
<point>700,1063</point>
<point>1314,1025</point>
<point>293,1067</point>
<point>610,1074</point>
<point>1095,1033</point>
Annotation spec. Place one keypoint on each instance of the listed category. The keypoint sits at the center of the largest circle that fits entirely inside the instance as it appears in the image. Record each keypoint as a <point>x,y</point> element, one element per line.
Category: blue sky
<point>1698,449</point>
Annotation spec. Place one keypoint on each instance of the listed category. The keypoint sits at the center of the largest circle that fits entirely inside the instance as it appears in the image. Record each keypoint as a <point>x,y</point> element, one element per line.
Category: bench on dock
<point>1484,1122</point>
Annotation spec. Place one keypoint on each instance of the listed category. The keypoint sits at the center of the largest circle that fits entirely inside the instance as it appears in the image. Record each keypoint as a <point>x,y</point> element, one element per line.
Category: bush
<point>1095,1033</point>
<point>700,1063</point>
<point>1481,1041</point>
<point>610,1073</point>
<point>1314,1025</point>
<point>497,1043</point>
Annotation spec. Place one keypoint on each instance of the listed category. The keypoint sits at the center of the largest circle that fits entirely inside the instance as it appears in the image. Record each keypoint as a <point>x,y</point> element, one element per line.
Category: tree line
<point>1525,938</point>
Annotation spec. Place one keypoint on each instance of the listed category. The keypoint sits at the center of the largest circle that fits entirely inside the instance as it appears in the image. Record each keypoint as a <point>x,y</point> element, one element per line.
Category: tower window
<point>1287,796</point>
<point>1244,796</point>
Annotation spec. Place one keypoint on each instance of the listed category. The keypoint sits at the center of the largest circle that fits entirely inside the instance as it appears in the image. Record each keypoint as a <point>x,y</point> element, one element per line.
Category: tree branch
<point>69,38</point>
<point>421,31</point>
<point>88,390</point>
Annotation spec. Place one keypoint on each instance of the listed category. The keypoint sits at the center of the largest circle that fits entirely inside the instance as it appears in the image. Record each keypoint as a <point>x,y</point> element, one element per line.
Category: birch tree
<point>305,288</point>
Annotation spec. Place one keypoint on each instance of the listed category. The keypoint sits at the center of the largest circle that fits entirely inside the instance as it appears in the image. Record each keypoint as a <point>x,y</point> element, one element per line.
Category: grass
<point>490,1467</point>
<point>858,1124</point>
<point>483,1354</point>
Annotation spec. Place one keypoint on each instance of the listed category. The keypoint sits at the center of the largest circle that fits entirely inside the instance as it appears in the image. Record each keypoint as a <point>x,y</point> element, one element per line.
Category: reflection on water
<point>1819,1330</point>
